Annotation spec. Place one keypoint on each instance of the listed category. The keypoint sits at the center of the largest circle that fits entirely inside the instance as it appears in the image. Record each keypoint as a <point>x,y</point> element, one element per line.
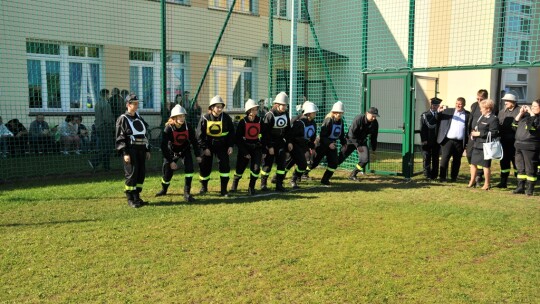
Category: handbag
<point>492,148</point>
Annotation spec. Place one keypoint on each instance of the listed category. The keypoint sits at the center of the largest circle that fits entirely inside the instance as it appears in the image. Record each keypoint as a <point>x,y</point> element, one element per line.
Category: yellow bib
<point>214,128</point>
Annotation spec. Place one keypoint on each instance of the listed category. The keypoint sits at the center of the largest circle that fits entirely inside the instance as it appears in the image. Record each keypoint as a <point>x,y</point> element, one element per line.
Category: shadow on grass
<point>46,223</point>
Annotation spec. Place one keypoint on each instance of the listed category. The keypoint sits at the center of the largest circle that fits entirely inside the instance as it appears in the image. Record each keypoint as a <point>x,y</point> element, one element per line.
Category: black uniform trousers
<point>279,157</point>
<point>185,157</point>
<point>430,155</point>
<point>451,148</point>
<point>135,170</point>
<point>298,158</point>
<point>219,148</point>
<point>255,152</point>
<point>527,162</point>
<point>509,152</point>
<point>331,157</point>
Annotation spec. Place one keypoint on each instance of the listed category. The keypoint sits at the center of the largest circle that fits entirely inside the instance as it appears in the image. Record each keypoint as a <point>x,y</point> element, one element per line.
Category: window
<point>282,8</point>
<point>517,31</point>
<point>232,79</point>
<point>145,78</point>
<point>243,6</point>
<point>65,77</point>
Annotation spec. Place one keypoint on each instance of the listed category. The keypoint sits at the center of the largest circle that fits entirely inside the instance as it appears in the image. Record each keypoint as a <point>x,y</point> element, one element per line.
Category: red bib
<point>180,137</point>
<point>253,129</point>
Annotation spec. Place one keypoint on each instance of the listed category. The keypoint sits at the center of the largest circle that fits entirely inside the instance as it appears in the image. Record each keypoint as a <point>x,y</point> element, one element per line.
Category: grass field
<point>381,240</point>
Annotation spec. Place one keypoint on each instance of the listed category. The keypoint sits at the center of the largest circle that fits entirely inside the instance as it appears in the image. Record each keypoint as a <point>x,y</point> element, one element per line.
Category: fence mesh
<point>58,62</point>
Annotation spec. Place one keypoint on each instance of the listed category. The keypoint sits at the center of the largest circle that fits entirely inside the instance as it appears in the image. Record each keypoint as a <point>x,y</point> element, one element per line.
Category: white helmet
<point>215,100</point>
<point>178,110</point>
<point>309,107</point>
<point>250,104</point>
<point>338,107</point>
<point>282,98</point>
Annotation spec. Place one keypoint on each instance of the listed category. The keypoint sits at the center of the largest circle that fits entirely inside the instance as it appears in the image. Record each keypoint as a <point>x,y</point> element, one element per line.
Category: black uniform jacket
<point>359,131</point>
<point>176,139</point>
<point>278,126</point>
<point>485,125</point>
<point>211,129</point>
<point>332,131</point>
<point>126,136</point>
<point>527,132</point>
<point>303,133</point>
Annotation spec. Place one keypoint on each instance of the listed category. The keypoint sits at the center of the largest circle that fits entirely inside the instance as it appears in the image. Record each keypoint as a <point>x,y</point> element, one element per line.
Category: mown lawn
<point>375,241</point>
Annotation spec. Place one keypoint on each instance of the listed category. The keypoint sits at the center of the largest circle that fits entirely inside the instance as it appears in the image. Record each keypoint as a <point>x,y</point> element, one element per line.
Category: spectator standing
<point>453,137</point>
<point>117,103</point>
<point>486,126</point>
<point>508,137</point>
<point>475,114</point>
<point>431,150</point>
<point>104,133</point>
<point>527,144</point>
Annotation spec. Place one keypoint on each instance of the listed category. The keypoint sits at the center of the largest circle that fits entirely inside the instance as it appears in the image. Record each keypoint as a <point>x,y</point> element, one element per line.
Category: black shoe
<point>306,177</point>
<point>133,204</point>
<point>501,185</point>
<point>325,182</point>
<point>353,178</point>
<point>251,191</point>
<point>224,194</point>
<point>188,198</point>
<point>161,193</point>
<point>203,190</point>
<point>453,180</point>
<point>264,188</point>
<point>280,188</point>
<point>142,203</point>
<point>442,180</point>
<point>274,179</point>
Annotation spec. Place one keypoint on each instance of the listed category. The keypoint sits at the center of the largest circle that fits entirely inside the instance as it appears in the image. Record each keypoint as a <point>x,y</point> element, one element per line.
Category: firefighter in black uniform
<point>303,134</point>
<point>508,137</point>
<point>278,124</point>
<point>175,145</point>
<point>363,125</point>
<point>429,129</point>
<point>249,137</point>
<point>132,144</point>
<point>332,130</point>
<point>527,125</point>
<point>215,134</point>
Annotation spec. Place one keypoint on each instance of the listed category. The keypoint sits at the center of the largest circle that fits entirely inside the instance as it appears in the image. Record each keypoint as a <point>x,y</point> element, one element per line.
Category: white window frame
<point>288,15</point>
<point>64,59</point>
<point>155,64</point>
<point>242,4</point>
<point>512,53</point>
<point>229,69</point>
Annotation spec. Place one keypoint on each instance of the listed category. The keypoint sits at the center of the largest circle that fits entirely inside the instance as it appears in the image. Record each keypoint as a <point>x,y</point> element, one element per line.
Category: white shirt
<point>4,131</point>
<point>457,126</point>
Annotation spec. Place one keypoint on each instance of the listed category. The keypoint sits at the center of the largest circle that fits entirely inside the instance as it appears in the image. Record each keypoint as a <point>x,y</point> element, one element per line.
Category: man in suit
<point>453,137</point>
<point>429,127</point>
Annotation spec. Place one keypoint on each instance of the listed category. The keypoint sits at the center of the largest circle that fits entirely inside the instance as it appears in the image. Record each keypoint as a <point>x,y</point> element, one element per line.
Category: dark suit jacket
<point>445,118</point>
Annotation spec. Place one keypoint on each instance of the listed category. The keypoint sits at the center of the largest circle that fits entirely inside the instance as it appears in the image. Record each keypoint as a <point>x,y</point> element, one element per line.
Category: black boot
<point>204,186</point>
<point>274,179</point>
<point>353,174</point>
<point>529,188</point>
<point>305,176</point>
<point>326,177</point>
<point>187,189</point>
<point>520,187</point>
<point>131,199</point>
<point>279,183</point>
<point>138,198</point>
<point>264,180</point>
<point>163,191</point>
<point>224,182</point>
<point>294,180</point>
<point>251,187</point>
<point>504,180</point>
<point>235,182</point>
